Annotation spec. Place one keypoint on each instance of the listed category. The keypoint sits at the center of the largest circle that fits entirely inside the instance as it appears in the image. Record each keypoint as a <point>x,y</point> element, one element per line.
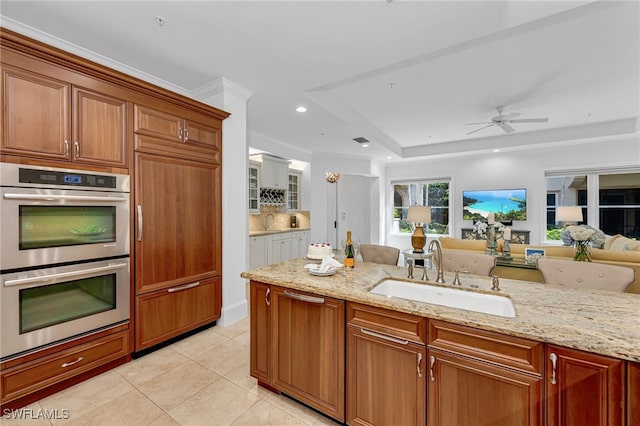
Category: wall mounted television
<point>507,204</point>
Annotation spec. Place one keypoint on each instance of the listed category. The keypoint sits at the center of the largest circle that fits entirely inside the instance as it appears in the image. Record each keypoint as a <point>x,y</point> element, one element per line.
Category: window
<point>609,200</point>
<point>425,193</point>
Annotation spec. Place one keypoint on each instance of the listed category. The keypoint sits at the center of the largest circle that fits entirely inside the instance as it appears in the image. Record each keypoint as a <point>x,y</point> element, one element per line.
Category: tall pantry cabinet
<point>178,232</point>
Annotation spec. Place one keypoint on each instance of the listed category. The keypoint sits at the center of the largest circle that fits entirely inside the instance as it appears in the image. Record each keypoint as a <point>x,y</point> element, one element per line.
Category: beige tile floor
<point>201,380</point>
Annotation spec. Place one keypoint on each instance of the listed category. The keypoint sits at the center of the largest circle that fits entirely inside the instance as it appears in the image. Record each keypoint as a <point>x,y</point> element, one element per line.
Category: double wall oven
<point>64,255</point>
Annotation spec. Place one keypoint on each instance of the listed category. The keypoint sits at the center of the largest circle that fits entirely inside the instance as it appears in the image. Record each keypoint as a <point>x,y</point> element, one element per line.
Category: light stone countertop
<point>275,231</point>
<point>596,321</point>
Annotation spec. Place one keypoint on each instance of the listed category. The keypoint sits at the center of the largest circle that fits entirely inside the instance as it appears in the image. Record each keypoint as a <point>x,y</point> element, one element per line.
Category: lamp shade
<point>419,214</point>
<point>569,214</point>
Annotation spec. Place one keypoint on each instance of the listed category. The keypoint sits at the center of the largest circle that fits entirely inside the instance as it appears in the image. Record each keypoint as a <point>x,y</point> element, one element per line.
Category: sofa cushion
<point>624,243</point>
<point>609,240</point>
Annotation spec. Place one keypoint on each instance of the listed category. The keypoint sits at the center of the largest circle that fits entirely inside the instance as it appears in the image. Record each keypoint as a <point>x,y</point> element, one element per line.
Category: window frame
<point>394,230</point>
<point>592,206</point>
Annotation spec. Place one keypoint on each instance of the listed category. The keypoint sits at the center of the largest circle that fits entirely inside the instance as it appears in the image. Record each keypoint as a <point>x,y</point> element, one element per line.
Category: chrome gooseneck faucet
<point>440,278</point>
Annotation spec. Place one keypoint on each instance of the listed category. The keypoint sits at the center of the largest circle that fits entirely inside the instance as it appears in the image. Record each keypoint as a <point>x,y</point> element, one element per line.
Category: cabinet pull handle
<point>66,148</point>
<point>69,364</point>
<point>432,361</point>
<point>180,132</point>
<point>139,209</point>
<point>183,287</point>
<point>76,147</point>
<point>384,336</point>
<point>304,298</point>
<point>554,359</point>
<point>186,134</point>
<point>267,297</point>
<point>418,366</point>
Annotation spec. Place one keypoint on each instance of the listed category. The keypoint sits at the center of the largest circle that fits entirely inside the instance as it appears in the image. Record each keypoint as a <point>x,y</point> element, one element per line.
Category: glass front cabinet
<point>254,187</point>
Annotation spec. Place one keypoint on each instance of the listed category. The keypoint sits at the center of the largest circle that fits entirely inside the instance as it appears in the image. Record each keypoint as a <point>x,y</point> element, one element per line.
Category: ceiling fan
<point>504,120</point>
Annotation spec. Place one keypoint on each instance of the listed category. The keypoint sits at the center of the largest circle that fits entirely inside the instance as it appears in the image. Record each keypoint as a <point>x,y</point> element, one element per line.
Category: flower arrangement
<point>480,229</point>
<point>582,237</point>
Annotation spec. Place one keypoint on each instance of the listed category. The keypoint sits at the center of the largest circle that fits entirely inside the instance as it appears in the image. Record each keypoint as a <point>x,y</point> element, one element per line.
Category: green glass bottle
<point>349,258</point>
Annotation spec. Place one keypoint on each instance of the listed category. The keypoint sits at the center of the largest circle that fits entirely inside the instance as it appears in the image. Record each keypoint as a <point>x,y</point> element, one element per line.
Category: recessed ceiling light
<point>365,145</point>
<point>388,157</point>
<point>301,109</point>
<point>496,150</point>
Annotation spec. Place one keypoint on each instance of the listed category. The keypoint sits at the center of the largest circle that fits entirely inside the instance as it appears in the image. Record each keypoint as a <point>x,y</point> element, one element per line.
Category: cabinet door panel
<point>386,381</point>
<point>156,123</point>
<point>633,394</point>
<point>99,129</point>
<point>465,392</point>
<point>588,388</point>
<point>308,349</point>
<point>168,313</point>
<point>260,302</point>
<point>179,204</point>
<point>35,118</point>
<point>197,133</point>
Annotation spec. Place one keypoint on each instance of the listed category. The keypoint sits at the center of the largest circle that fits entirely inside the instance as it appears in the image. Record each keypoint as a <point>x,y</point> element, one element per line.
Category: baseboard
<point>234,313</point>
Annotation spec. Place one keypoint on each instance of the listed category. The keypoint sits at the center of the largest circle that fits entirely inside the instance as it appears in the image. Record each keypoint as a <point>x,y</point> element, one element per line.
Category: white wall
<point>232,98</point>
<point>523,169</point>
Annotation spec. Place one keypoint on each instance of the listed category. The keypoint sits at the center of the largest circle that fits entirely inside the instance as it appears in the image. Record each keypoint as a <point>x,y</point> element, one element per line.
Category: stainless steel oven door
<point>49,226</point>
<point>44,306</point>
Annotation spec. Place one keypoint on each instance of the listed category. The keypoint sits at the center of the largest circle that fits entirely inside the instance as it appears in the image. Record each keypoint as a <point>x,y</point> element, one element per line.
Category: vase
<point>582,251</point>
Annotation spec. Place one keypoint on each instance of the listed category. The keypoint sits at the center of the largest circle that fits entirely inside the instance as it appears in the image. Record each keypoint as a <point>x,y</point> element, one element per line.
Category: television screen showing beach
<point>507,204</point>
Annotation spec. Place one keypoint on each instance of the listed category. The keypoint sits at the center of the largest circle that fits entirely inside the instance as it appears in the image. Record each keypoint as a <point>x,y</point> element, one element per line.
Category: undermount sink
<point>445,296</point>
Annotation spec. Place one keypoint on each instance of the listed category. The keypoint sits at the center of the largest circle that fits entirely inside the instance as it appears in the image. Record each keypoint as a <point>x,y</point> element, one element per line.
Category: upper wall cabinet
<point>50,118</point>
<point>169,133</point>
<point>274,173</point>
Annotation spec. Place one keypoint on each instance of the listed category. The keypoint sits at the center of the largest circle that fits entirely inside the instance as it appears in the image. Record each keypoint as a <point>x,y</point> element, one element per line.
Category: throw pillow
<point>609,240</point>
<point>624,243</point>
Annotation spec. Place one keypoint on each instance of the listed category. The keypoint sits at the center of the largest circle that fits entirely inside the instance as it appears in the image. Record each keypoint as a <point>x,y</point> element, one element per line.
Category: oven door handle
<point>70,274</point>
<point>49,197</point>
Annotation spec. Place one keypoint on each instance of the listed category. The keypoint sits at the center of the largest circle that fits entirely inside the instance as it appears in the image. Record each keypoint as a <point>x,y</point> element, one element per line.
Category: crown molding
<point>222,86</point>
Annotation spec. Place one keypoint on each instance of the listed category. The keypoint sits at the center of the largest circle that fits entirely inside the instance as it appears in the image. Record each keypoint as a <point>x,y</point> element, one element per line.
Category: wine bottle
<point>349,258</point>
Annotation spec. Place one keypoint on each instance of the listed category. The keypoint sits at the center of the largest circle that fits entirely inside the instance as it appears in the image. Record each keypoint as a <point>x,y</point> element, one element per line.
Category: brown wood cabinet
<point>178,242</point>
<point>177,232</point>
<point>633,393</point>
<point>169,133</point>
<point>306,345</point>
<point>260,325</point>
<point>386,374</point>
<point>33,376</point>
<point>583,388</point>
<point>51,119</point>
<point>482,378</point>
<point>163,314</point>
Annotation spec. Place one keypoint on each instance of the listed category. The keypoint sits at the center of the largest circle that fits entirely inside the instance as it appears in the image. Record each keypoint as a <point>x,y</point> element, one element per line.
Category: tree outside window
<point>429,193</point>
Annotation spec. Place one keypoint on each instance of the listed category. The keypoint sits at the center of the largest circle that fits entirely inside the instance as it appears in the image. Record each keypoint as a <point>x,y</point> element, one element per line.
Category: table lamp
<point>569,214</point>
<point>419,215</point>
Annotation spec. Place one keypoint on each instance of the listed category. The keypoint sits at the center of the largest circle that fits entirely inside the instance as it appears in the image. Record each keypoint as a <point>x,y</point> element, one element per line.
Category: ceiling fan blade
<point>507,128</point>
<point>529,120</point>
<point>481,122</point>
<point>477,130</point>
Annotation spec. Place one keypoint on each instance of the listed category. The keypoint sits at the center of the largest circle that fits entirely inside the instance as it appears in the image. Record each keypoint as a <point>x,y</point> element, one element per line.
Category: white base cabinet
<point>276,248</point>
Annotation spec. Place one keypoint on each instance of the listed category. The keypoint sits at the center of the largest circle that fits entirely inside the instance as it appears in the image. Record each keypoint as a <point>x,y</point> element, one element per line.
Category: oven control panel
<point>51,177</point>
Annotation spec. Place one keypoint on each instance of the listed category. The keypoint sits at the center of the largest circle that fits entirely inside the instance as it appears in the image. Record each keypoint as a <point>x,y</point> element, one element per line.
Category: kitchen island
<point>423,358</point>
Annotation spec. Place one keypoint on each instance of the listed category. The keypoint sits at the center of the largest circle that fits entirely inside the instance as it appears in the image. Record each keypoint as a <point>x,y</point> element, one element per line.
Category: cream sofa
<point>617,251</point>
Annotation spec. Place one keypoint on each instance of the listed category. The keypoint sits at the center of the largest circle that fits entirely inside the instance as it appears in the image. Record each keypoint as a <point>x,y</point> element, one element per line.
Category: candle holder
<point>506,249</point>
<point>492,244</point>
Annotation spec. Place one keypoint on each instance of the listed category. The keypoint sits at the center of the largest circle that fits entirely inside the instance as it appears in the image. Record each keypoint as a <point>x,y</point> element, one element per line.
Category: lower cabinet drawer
<point>515,352</point>
<point>43,372</point>
<point>167,313</point>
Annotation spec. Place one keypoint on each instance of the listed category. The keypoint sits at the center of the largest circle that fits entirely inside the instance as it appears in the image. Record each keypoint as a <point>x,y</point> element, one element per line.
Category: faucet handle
<point>409,268</point>
<point>496,283</point>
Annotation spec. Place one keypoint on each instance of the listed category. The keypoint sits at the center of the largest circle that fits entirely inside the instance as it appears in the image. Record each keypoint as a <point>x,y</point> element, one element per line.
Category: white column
<point>230,97</point>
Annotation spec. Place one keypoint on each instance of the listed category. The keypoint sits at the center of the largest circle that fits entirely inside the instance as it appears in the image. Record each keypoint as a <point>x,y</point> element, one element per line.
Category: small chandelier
<point>332,177</point>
